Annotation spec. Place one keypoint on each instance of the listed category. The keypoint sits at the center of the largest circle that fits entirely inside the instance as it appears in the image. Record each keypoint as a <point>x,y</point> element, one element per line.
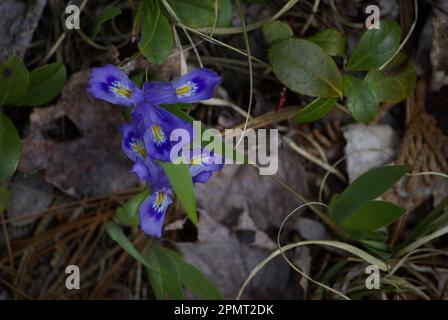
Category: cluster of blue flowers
<point>146,139</point>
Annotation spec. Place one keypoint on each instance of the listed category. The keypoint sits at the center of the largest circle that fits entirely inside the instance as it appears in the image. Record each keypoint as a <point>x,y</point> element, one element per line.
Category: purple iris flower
<point>111,84</point>
<point>146,139</point>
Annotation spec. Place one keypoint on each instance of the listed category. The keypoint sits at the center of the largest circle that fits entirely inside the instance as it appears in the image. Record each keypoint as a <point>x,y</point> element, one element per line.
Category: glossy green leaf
<point>46,83</point>
<point>157,37</point>
<point>332,41</point>
<point>316,110</point>
<point>393,87</point>
<point>127,214</point>
<point>4,199</point>
<point>14,79</point>
<point>366,187</point>
<point>275,31</point>
<point>375,47</point>
<point>106,15</point>
<point>166,283</point>
<point>182,183</point>
<point>10,148</point>
<point>372,215</point>
<point>306,68</point>
<point>361,100</point>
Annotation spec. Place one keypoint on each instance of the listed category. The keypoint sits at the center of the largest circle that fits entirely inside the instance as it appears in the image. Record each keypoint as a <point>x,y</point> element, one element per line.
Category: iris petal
<point>202,165</point>
<point>159,125</point>
<point>158,92</point>
<point>196,85</point>
<point>132,143</point>
<point>152,212</point>
<point>111,84</point>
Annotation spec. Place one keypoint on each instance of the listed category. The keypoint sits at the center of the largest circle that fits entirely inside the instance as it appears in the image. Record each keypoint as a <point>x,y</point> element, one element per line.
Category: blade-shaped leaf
<point>332,41</point>
<point>367,187</point>
<point>116,233</point>
<point>306,68</point>
<point>361,100</point>
<point>182,183</point>
<point>46,83</point>
<point>316,110</point>
<point>372,215</point>
<point>375,47</point>
<point>14,79</point>
<point>157,36</point>
<point>166,283</point>
<point>193,279</point>
<point>10,148</point>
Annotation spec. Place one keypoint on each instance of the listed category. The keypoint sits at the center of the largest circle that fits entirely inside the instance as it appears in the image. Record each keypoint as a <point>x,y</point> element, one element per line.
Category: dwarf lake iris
<point>146,138</point>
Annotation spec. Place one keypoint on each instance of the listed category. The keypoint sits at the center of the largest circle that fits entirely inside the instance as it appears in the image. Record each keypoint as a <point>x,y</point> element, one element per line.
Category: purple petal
<point>159,125</point>
<point>152,212</point>
<point>202,165</point>
<point>111,84</point>
<point>132,142</point>
<point>196,85</point>
<point>157,93</point>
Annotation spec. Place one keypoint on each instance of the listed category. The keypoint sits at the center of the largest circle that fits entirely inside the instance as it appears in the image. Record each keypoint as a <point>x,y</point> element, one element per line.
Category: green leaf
<point>366,187</point>
<point>182,183</point>
<point>174,269</point>
<point>14,79</point>
<point>115,232</point>
<point>432,221</point>
<point>196,13</point>
<point>106,15</point>
<point>372,215</point>
<point>361,100</point>
<point>306,68</point>
<point>195,281</point>
<point>332,41</point>
<point>316,110</point>
<point>4,199</point>
<point>46,83</point>
<point>10,148</point>
<point>275,31</point>
<point>166,283</point>
<point>127,214</point>
<point>392,88</point>
<point>375,47</point>
<point>224,13</point>
<point>157,36</point>
<point>365,234</point>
